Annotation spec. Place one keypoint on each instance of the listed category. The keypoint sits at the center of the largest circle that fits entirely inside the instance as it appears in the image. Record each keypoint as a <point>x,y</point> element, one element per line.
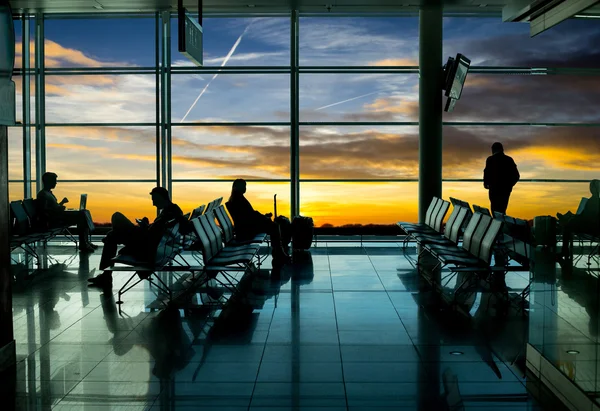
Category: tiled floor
<point>347,327</point>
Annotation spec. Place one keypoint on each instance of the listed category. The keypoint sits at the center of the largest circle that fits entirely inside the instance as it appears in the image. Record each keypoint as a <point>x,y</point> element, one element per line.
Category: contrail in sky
<point>345,101</point>
<point>227,57</point>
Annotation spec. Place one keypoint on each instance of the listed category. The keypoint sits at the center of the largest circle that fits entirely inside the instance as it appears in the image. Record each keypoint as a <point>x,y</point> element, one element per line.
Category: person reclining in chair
<point>588,221</point>
<point>249,222</point>
<point>142,239</point>
<point>55,214</point>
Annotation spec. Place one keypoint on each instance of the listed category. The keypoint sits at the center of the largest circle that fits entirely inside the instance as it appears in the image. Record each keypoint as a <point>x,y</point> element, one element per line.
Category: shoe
<point>94,246</point>
<point>102,281</point>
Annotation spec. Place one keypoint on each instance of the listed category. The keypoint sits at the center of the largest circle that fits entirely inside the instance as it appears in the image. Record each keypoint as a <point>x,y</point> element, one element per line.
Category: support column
<point>7,347</point>
<point>40,107</point>
<point>26,93</point>
<point>294,118</point>
<point>430,106</point>
<point>166,166</point>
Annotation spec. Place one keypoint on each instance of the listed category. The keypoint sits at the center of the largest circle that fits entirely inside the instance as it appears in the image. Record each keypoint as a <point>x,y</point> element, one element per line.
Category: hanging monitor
<point>190,34</point>
<point>455,74</point>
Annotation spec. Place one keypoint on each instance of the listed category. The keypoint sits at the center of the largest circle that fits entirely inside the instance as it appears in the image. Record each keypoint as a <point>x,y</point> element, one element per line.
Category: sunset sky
<point>327,152</point>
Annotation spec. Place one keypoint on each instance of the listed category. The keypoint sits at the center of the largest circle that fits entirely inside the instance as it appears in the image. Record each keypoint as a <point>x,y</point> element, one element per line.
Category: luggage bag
<point>302,232</point>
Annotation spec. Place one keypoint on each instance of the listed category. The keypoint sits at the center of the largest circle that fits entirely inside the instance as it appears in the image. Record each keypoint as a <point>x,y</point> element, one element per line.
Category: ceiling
<point>251,6</point>
<point>482,7</point>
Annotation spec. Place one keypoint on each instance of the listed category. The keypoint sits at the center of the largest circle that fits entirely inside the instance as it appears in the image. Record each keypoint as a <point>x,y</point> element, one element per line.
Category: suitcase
<point>302,232</point>
<point>285,227</point>
<point>544,229</point>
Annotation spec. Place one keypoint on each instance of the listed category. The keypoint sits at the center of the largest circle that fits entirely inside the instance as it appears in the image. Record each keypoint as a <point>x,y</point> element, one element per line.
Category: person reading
<point>249,222</point>
<point>141,240</point>
<point>587,222</point>
<point>54,213</point>
<point>499,177</point>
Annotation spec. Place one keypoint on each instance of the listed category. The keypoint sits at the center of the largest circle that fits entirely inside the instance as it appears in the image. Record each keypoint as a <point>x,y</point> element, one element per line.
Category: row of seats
<point>506,238</point>
<point>28,227</point>
<point>221,258</point>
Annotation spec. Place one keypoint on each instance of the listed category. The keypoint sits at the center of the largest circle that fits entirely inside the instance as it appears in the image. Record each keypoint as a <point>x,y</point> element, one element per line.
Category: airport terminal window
<point>528,98</point>
<point>132,199</point>
<point>344,203</point>
<point>251,41</point>
<point>349,41</point>
<point>359,97</point>
<point>125,42</point>
<point>570,153</point>
<point>15,153</point>
<point>359,152</point>
<point>101,153</point>
<point>230,97</point>
<point>100,98</point>
<point>229,152</point>
<point>189,195</point>
<point>490,42</point>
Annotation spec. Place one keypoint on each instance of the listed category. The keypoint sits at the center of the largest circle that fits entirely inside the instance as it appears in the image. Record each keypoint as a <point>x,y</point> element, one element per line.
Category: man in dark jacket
<point>142,239</point>
<point>499,177</point>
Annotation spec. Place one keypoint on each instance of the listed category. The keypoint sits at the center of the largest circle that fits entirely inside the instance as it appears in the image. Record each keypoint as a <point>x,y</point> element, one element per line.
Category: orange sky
<point>337,204</point>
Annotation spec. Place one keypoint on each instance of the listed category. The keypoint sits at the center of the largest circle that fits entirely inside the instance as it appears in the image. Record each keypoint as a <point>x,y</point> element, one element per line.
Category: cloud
<point>57,55</point>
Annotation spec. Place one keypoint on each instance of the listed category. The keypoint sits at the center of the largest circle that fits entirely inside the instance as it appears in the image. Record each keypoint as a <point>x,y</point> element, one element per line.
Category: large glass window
<point>230,152</point>
<point>491,42</point>
<point>100,42</point>
<point>101,153</point>
<point>359,152</point>
<point>347,204</point>
<point>223,97</point>
<point>253,41</point>
<point>527,98</point>
<point>359,97</point>
<point>571,153</point>
<point>359,41</point>
<point>191,195</point>
<point>101,98</point>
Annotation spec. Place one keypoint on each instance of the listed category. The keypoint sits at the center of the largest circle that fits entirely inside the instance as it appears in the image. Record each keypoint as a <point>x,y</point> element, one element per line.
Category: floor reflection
<point>343,327</point>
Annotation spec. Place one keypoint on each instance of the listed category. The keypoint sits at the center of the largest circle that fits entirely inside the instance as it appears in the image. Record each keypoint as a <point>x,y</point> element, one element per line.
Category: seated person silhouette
<point>55,214</point>
<point>588,221</point>
<point>249,222</point>
<point>141,240</point>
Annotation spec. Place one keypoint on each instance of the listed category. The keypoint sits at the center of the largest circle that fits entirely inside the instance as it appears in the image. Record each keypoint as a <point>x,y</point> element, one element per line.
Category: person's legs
<point>499,201</point>
<point>123,232</point>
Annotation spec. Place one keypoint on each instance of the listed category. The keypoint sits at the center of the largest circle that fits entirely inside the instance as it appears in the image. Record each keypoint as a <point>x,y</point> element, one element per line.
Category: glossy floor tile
<point>349,326</point>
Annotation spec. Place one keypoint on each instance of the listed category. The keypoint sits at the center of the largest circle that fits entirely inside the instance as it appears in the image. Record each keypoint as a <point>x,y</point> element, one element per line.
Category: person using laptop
<point>141,239</point>
<point>54,213</point>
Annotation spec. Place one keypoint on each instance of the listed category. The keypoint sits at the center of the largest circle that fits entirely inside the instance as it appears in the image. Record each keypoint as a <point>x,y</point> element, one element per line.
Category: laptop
<point>82,202</point>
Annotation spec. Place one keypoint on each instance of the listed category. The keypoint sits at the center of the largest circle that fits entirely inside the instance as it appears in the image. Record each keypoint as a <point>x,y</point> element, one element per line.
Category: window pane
<point>231,152</point>
<point>513,98</point>
<point>101,99</point>
<point>359,97</point>
<point>359,41</point>
<point>191,195</point>
<point>15,153</point>
<point>540,152</point>
<point>230,97</point>
<point>491,42</point>
<point>256,41</point>
<point>15,191</point>
<point>131,199</point>
<point>102,42</point>
<point>80,153</point>
<point>359,152</point>
<point>525,199</point>
<point>339,204</point>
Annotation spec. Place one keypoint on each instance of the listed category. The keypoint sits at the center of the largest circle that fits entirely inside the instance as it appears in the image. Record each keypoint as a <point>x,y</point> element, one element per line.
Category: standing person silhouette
<point>499,177</point>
